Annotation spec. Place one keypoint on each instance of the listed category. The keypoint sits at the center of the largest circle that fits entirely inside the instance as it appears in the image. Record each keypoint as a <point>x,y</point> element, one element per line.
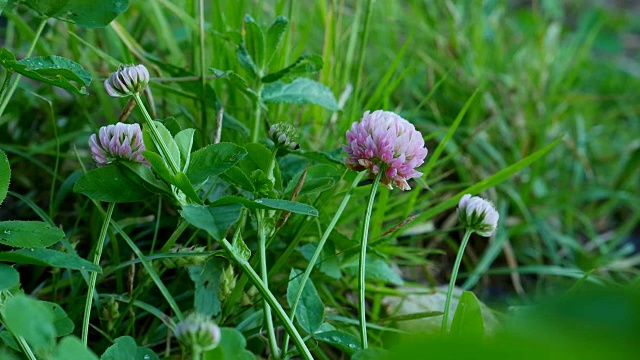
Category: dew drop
<point>259,201</point>
<point>147,357</point>
<point>8,232</point>
<point>352,346</point>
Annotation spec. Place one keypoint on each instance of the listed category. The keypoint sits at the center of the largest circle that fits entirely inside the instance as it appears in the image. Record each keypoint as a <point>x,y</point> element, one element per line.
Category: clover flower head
<point>127,80</point>
<point>117,142</point>
<point>199,331</point>
<point>384,141</point>
<point>284,135</point>
<point>478,214</point>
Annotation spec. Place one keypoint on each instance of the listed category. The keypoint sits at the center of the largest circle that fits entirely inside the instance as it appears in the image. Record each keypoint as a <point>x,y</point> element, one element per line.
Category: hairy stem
<point>157,139</point>
<point>362,261</point>
<point>452,283</point>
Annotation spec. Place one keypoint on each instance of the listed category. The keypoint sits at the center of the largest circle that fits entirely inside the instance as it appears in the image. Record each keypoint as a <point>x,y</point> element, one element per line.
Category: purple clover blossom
<point>127,80</point>
<point>117,142</point>
<point>384,140</point>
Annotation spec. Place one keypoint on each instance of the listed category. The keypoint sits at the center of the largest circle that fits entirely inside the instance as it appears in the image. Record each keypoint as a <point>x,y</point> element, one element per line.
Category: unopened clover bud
<point>227,283</point>
<point>478,215</point>
<point>127,80</point>
<point>117,142</point>
<point>284,135</point>
<point>198,332</point>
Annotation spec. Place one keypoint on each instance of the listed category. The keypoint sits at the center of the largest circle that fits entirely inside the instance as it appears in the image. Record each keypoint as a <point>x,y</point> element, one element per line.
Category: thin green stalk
<point>156,135</point>
<point>94,275</point>
<point>262,249</point>
<point>22,343</point>
<point>14,86</point>
<point>454,275</point>
<point>203,73</point>
<point>363,259</point>
<point>5,84</point>
<point>268,296</point>
<point>316,254</point>
<point>196,354</point>
<point>255,130</point>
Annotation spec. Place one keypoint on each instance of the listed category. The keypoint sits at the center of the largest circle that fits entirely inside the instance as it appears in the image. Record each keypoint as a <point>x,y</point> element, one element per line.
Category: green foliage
<point>300,91</point>
<point>310,309</point>
<point>25,234</point>
<point>231,347</point>
<point>206,278</point>
<point>530,106</point>
<point>125,348</point>
<point>9,277</point>
<point>213,160</point>
<point>5,176</point>
<point>53,70</point>
<point>111,184</point>
<point>48,257</point>
<point>32,320</point>
<point>467,320</point>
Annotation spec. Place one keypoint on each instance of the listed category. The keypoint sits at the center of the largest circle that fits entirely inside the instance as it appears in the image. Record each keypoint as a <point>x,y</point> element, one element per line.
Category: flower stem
<point>14,86</point>
<point>268,296</point>
<point>94,274</point>
<point>262,249</point>
<point>157,139</point>
<point>257,115</point>
<point>363,259</point>
<point>316,254</point>
<point>454,275</point>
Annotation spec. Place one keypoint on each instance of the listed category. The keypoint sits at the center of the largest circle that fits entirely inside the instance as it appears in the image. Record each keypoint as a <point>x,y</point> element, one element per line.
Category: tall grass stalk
<point>94,274</point>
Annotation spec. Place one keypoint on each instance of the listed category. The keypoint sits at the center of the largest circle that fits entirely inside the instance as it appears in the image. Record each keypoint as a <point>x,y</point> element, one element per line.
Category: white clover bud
<point>127,80</point>
<point>478,214</point>
<point>198,331</point>
<point>284,135</point>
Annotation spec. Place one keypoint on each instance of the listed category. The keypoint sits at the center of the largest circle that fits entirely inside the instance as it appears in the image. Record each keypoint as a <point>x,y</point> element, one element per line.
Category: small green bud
<point>284,135</point>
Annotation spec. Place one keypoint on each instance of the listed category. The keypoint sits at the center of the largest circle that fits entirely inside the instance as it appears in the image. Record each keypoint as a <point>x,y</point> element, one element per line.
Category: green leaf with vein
<point>306,64</point>
<point>272,204</point>
<point>275,34</point>
<point>125,348</point>
<point>467,321</point>
<point>340,339</point>
<point>255,41</point>
<point>93,13</point>
<point>53,70</point>
<point>310,310</point>
<point>5,176</point>
<point>111,184</point>
<point>216,220</point>
<point>9,277</point>
<point>29,234</point>
<point>213,160</point>
<point>300,91</point>
<point>48,257</point>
